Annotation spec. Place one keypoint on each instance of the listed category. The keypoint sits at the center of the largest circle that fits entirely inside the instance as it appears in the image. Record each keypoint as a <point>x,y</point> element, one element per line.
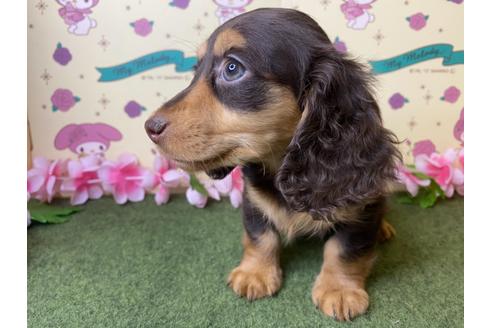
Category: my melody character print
<point>357,13</point>
<point>87,139</point>
<point>75,14</point>
<point>229,9</point>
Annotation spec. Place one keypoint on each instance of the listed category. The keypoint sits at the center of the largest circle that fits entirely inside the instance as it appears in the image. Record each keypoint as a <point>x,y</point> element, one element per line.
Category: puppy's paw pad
<point>255,284</point>
<point>341,304</point>
<point>386,232</point>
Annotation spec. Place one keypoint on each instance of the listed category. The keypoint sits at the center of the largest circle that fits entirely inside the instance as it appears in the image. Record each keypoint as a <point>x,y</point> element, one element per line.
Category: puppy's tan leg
<point>339,289</point>
<point>259,274</point>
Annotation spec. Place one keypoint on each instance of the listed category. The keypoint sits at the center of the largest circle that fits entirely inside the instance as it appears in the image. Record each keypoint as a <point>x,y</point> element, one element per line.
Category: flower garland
<point>433,175</point>
<point>91,176</point>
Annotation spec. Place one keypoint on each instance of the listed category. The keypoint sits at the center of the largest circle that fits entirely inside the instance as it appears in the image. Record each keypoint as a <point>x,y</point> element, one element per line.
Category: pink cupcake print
<point>451,95</point>
<point>397,101</point>
<point>418,21</point>
<point>62,100</point>
<point>142,27</point>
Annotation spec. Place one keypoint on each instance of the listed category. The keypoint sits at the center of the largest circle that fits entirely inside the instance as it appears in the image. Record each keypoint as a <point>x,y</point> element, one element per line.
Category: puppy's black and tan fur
<point>272,95</point>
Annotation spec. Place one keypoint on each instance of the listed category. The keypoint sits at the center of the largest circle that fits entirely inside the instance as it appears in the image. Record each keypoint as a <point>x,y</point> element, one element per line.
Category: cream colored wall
<point>114,41</point>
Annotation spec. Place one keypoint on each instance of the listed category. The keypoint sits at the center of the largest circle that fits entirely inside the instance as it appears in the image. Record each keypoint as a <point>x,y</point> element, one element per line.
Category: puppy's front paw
<point>254,283</point>
<point>341,304</point>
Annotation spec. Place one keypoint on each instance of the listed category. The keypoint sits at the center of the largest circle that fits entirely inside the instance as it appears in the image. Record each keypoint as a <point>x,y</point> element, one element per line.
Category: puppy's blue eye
<point>233,70</point>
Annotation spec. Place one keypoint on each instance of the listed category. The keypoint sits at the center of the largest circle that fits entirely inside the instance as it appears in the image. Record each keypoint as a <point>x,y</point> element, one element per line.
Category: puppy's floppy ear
<point>340,154</point>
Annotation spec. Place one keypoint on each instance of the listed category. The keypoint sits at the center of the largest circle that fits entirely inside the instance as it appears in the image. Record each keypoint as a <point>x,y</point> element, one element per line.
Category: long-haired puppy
<point>272,95</point>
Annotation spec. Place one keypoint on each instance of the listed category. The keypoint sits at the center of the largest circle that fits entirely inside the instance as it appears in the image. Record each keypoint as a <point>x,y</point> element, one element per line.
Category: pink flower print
<point>125,179</point>
<point>63,100</point>
<point>411,182</point>
<point>440,168</point>
<point>182,4</point>
<point>83,182</point>
<point>418,21</point>
<point>165,177</point>
<point>451,94</point>
<point>133,109</point>
<point>196,198</point>
<point>397,101</point>
<point>142,27</point>
<point>50,173</point>
<point>426,147</point>
<point>340,46</point>
<point>62,55</point>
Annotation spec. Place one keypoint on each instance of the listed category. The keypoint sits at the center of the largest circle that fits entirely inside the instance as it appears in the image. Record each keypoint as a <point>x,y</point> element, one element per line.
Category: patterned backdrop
<point>97,68</point>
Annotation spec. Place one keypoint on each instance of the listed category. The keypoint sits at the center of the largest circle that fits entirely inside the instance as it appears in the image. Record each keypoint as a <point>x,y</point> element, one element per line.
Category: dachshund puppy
<point>272,95</point>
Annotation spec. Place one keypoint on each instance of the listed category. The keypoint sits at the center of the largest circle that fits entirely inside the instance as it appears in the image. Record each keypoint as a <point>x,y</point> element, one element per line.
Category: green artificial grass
<point>141,265</point>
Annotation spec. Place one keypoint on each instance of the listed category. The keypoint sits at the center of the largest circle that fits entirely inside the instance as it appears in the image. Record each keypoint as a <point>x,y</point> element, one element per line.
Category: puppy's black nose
<point>155,126</point>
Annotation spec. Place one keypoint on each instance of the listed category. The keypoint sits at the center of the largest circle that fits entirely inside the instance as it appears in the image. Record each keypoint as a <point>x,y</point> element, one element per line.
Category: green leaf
<point>196,185</point>
<point>405,198</point>
<point>411,166</point>
<point>421,175</point>
<point>427,199</point>
<point>437,188</point>
<point>46,213</point>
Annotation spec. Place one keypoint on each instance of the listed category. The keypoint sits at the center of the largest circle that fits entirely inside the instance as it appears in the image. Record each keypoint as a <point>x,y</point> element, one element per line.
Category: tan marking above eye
<point>226,40</point>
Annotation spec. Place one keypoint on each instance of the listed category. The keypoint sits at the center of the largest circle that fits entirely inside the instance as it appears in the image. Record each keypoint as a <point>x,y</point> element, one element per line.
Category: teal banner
<point>185,64</point>
<point>433,51</point>
<point>147,62</point>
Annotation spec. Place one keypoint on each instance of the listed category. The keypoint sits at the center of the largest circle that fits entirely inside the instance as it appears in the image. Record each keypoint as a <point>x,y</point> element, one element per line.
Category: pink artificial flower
<point>196,198</point>
<point>83,182</point>
<point>125,179</point>
<point>440,168</point>
<point>461,158</point>
<point>34,182</point>
<point>233,186</point>
<point>210,186</point>
<point>164,177</point>
<point>459,178</point>
<point>48,174</point>
<point>411,182</point>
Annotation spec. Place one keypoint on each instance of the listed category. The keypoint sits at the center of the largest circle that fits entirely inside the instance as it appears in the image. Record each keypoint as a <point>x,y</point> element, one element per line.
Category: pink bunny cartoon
<point>75,14</point>
<point>357,14</point>
<point>230,8</point>
<point>87,139</point>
